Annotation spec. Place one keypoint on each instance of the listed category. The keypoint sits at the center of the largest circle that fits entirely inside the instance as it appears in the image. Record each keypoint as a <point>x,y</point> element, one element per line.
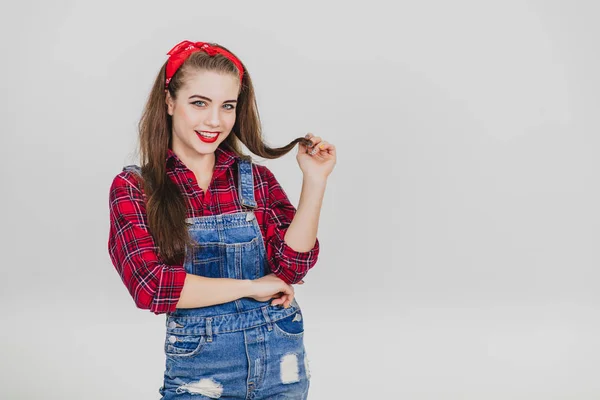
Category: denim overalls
<point>243,349</point>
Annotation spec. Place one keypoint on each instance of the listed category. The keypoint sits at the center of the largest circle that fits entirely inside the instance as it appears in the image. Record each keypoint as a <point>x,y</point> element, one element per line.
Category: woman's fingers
<point>286,294</point>
<point>280,300</point>
<point>324,147</point>
<point>303,148</point>
<point>285,299</point>
<point>276,301</point>
<point>319,147</point>
<point>315,140</point>
<point>315,147</point>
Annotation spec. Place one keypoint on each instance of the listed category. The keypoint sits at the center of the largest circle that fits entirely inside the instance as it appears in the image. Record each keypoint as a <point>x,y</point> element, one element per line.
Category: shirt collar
<point>223,158</point>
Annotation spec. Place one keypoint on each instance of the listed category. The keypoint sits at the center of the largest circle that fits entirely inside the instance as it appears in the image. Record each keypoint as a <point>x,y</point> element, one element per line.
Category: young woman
<point>205,236</point>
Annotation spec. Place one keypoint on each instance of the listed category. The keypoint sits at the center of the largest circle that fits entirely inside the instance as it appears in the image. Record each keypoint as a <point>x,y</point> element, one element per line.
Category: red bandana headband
<point>180,53</point>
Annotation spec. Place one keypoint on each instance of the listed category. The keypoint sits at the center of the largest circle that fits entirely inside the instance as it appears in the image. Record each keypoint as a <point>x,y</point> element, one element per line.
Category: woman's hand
<point>271,286</point>
<point>317,161</point>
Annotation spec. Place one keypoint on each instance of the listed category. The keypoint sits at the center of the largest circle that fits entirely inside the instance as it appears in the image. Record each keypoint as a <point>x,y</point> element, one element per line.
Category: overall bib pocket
<point>208,261</point>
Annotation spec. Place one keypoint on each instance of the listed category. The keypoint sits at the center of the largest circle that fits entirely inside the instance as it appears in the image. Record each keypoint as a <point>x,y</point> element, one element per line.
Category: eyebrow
<point>206,98</point>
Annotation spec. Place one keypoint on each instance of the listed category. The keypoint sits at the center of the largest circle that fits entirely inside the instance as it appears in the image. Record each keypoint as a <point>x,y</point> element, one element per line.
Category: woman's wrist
<point>314,180</point>
<point>246,287</point>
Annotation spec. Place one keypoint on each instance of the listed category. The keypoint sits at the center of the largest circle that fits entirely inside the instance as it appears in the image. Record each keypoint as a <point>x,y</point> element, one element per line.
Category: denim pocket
<point>183,345</point>
<point>208,261</point>
<point>290,326</point>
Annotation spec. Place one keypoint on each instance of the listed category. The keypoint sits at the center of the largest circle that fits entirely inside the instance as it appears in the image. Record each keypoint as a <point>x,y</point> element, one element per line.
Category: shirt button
<point>172,324</point>
<point>190,180</point>
<point>172,339</point>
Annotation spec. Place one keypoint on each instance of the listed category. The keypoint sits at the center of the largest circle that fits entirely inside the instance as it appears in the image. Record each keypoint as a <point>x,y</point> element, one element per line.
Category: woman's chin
<point>207,148</point>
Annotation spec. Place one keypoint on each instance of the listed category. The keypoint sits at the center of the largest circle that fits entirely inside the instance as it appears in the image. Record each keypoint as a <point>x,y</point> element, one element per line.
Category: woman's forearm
<point>302,232</point>
<point>200,291</point>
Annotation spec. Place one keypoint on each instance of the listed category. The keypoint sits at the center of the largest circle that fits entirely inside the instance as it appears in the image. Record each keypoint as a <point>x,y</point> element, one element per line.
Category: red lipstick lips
<point>207,137</point>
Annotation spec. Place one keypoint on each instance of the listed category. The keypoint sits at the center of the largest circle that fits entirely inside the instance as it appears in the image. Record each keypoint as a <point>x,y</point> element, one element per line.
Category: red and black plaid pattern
<point>157,286</point>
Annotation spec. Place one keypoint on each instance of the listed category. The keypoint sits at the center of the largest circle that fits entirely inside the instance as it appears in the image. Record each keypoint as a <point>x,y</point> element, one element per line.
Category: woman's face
<point>203,113</point>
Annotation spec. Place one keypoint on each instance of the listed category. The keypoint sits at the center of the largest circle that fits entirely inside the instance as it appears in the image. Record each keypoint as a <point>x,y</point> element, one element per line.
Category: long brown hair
<point>165,206</point>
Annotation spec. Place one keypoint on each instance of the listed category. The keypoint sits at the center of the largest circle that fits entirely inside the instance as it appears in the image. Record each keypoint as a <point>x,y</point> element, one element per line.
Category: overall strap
<point>134,168</point>
<point>246,184</point>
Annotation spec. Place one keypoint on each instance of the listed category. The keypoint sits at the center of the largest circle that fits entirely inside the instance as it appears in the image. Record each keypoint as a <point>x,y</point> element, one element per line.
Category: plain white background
<point>459,229</point>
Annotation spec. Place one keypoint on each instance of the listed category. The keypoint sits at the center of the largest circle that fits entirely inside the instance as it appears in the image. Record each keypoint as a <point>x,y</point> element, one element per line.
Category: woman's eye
<point>229,106</point>
<point>199,101</point>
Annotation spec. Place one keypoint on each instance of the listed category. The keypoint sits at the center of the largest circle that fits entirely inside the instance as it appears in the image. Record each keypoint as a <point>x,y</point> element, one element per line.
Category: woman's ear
<point>169,102</point>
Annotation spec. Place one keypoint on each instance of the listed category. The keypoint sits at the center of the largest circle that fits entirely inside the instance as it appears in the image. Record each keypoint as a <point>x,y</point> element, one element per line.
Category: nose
<point>212,117</point>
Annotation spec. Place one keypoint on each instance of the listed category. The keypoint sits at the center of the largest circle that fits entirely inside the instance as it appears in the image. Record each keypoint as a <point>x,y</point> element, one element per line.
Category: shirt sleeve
<point>288,264</point>
<point>154,286</point>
